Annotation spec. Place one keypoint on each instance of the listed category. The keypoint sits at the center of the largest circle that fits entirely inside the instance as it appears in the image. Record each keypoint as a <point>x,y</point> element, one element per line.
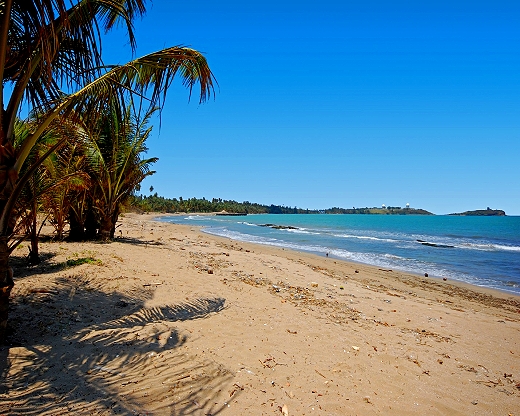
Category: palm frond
<point>150,75</point>
<point>51,44</point>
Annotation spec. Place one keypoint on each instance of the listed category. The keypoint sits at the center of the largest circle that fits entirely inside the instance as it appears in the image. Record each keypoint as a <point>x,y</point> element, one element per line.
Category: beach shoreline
<point>168,320</point>
<point>500,293</point>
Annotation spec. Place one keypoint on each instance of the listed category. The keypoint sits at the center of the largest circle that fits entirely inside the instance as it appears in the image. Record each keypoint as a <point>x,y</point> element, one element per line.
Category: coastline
<point>175,321</point>
<point>284,251</point>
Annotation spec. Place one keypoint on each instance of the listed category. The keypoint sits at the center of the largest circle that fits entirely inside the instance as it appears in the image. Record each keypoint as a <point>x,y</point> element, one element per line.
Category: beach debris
<point>355,348</point>
<point>474,402</point>
<point>44,291</point>
<point>314,284</point>
<point>246,370</point>
<point>210,271</point>
<point>152,284</point>
<point>356,271</point>
<point>292,332</point>
<point>270,362</point>
<point>285,410</point>
<point>425,274</point>
<point>237,387</point>
<point>106,370</point>
<point>444,279</point>
<point>367,399</point>
<point>317,372</point>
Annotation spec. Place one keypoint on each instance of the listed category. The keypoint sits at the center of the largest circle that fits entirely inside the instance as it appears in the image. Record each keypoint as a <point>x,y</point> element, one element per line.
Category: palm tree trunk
<point>6,284</point>
<point>91,224</point>
<point>115,217</point>
<point>34,255</point>
<point>105,228</point>
<point>76,227</point>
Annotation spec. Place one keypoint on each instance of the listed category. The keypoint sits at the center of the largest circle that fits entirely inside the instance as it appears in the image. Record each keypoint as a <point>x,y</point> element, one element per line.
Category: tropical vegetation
<point>51,64</point>
<point>156,203</point>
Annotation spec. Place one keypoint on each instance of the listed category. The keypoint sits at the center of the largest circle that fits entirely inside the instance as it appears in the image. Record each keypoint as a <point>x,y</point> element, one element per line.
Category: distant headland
<point>379,211</point>
<point>156,203</point>
<point>482,213</point>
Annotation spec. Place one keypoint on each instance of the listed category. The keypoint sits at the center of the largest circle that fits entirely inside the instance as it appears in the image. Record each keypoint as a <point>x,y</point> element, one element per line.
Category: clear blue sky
<point>342,103</point>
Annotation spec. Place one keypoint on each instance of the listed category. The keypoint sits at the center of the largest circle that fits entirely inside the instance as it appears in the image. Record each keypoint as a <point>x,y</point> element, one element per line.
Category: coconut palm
<point>50,58</point>
<point>48,188</point>
<point>115,164</point>
<point>64,178</point>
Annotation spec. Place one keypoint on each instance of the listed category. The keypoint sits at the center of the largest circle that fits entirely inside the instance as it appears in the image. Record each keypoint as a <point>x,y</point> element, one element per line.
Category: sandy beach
<point>167,320</point>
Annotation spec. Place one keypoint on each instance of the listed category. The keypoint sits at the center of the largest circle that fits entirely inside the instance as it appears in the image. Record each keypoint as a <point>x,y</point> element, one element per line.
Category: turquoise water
<point>483,251</point>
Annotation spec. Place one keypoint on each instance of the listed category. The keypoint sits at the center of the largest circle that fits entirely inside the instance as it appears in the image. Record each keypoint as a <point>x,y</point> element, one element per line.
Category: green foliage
<point>84,260</point>
<point>483,213</point>
<point>156,203</point>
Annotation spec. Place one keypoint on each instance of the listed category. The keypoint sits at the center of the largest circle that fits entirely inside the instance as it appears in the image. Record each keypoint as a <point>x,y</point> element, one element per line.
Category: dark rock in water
<point>426,243</point>
<point>279,227</point>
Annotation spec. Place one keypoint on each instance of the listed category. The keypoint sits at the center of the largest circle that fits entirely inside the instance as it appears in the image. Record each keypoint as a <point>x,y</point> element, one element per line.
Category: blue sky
<point>341,103</point>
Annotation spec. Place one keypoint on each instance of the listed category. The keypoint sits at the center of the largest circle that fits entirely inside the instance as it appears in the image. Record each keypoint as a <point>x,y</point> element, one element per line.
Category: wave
<point>250,224</point>
<point>463,243</point>
<point>363,237</point>
<point>490,247</point>
<point>300,231</point>
<point>386,260</point>
<point>409,240</point>
<point>196,217</point>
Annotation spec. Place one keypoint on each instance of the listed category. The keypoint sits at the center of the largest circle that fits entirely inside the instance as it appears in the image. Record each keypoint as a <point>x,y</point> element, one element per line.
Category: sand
<point>167,320</point>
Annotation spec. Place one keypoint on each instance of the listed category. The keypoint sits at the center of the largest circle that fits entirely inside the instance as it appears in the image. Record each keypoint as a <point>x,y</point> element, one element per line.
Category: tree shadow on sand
<point>112,355</point>
<point>136,241</point>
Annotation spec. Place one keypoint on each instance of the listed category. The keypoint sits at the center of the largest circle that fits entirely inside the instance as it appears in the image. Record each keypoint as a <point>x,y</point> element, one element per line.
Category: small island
<point>482,213</point>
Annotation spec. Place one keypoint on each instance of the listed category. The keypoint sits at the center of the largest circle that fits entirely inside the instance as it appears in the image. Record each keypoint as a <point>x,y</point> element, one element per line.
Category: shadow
<point>22,268</point>
<point>136,241</point>
<point>84,351</point>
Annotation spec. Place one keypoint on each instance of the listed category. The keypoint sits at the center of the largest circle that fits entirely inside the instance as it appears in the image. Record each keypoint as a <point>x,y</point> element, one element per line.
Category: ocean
<point>483,251</point>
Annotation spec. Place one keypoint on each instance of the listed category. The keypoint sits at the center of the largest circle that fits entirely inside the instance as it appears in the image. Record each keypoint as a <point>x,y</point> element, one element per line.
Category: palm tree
<point>115,163</point>
<point>64,178</point>
<point>46,49</point>
<point>48,189</point>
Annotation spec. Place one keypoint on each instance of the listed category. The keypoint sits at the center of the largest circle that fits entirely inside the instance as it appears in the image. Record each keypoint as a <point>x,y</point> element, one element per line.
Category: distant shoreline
<point>375,211</point>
